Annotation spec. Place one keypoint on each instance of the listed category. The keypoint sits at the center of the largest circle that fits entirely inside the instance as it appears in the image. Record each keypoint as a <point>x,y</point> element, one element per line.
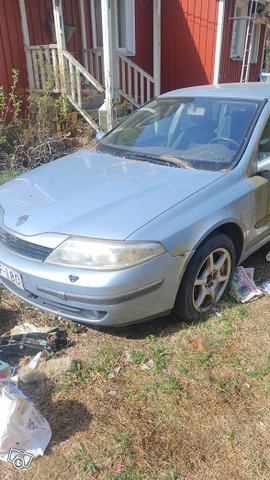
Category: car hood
<point>96,195</point>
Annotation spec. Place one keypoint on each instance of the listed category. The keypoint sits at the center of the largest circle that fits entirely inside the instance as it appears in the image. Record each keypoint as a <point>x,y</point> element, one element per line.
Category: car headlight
<point>103,254</point>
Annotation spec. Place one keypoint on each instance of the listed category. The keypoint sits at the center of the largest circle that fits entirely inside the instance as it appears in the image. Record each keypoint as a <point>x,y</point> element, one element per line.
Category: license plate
<point>11,275</point>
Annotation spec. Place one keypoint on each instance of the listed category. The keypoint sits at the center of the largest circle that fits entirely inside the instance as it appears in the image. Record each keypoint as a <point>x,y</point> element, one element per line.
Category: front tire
<point>207,277</point>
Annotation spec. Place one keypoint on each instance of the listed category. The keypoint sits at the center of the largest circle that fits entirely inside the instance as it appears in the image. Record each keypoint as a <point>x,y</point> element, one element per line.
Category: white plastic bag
<point>22,428</point>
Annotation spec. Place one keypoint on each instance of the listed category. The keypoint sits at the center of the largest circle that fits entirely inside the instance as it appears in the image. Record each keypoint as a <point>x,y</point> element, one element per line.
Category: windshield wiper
<point>145,157</point>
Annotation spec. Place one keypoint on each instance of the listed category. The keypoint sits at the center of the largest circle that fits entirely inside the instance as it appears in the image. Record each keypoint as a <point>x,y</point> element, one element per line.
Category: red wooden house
<point>132,49</point>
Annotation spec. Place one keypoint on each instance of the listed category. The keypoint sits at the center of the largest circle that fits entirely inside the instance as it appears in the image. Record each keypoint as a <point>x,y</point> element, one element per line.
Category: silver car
<point>153,219</point>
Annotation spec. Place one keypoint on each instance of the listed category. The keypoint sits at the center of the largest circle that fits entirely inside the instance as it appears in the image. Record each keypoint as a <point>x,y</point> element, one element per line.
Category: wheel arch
<point>233,231</point>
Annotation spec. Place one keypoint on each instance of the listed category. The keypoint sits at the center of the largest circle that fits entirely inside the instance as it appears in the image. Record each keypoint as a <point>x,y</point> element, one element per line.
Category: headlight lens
<point>103,254</point>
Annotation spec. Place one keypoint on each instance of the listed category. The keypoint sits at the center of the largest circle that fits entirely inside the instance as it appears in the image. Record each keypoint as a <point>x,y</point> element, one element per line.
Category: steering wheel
<point>230,141</point>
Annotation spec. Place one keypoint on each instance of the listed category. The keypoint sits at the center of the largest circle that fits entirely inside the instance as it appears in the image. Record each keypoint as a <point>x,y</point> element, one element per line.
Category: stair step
<point>91,99</point>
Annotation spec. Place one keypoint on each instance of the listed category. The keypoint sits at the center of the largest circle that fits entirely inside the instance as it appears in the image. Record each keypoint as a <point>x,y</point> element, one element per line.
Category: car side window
<point>264,142</point>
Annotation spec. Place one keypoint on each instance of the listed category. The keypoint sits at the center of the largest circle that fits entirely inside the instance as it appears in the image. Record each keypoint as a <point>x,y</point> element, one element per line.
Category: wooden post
<point>60,40</point>
<point>157,44</point>
<point>106,111</point>
<point>83,34</point>
<point>26,43</point>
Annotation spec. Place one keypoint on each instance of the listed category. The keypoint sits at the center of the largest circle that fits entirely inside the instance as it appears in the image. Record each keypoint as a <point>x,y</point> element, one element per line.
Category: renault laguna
<point>153,219</point>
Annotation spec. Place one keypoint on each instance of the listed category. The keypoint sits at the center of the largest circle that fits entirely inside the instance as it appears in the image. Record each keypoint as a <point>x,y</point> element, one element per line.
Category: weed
<point>139,356</point>
<point>260,372</point>
<point>229,387</point>
<point>123,445</point>
<point>85,464</point>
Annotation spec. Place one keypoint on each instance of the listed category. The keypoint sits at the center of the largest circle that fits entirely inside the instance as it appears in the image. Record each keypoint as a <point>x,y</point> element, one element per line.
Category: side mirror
<point>99,135</point>
<point>263,165</point>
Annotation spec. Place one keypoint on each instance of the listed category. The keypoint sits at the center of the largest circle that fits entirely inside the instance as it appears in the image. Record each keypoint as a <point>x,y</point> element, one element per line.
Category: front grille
<point>27,249</point>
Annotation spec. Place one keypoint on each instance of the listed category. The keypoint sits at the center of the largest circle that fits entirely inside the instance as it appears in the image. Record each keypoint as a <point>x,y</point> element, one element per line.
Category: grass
<point>159,401</point>
<point>7,175</point>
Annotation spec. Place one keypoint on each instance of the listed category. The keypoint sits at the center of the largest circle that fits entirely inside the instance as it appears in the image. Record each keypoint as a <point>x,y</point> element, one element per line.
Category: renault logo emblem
<point>21,220</point>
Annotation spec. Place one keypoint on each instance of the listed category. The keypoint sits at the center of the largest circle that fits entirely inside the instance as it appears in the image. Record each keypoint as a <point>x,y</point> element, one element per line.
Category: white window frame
<point>240,25</point>
<point>130,48</point>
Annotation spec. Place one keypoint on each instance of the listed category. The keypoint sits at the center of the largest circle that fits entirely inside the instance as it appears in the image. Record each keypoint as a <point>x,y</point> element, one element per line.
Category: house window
<point>239,29</point>
<point>96,23</point>
<point>256,42</point>
<point>125,23</point>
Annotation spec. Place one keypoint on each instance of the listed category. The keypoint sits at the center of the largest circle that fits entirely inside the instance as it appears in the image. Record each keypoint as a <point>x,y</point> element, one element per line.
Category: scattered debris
<point>4,370</point>
<point>147,365</point>
<point>243,288</point>
<point>28,344</point>
<point>199,343</point>
<point>28,328</point>
<point>216,312</point>
<point>47,368</point>
<point>265,286</point>
<point>24,432</point>
<point>119,468</point>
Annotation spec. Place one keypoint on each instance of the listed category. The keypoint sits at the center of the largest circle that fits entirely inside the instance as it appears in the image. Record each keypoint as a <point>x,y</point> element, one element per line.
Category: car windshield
<point>202,132</point>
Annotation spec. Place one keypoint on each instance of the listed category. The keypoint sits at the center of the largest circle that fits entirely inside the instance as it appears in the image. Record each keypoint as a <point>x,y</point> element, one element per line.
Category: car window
<point>200,132</point>
<point>264,142</point>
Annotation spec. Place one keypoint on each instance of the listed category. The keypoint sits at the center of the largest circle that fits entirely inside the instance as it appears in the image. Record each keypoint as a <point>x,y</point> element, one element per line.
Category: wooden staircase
<point>82,88</point>
<point>68,77</point>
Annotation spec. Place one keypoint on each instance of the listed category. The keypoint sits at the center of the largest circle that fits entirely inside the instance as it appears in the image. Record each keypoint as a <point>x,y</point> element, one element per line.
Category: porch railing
<point>136,85</point>
<point>45,67</point>
<point>73,81</point>
<point>94,59</point>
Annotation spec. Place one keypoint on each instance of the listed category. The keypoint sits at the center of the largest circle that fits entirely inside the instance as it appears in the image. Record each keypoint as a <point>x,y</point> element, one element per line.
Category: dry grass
<point>163,400</point>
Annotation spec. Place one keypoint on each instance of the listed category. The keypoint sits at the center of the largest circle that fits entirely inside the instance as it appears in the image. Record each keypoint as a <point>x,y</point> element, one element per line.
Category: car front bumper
<point>98,298</point>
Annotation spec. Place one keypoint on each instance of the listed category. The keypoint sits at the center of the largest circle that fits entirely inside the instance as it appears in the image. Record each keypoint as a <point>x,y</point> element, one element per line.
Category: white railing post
<point>83,33</point>
<point>106,111</point>
<point>26,42</point>
<point>60,39</point>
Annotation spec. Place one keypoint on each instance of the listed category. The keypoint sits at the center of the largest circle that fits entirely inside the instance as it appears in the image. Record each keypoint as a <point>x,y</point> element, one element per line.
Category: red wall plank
<point>11,45</point>
<point>188,41</point>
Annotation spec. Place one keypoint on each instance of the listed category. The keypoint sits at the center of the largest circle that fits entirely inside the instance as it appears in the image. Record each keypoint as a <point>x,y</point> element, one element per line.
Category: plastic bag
<point>24,432</point>
<point>243,288</point>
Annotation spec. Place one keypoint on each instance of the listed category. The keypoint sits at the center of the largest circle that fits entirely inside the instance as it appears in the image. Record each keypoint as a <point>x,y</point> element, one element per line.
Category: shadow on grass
<point>66,417</point>
<point>8,319</point>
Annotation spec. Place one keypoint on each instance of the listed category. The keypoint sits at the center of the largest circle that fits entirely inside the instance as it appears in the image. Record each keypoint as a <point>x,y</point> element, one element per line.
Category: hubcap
<point>212,279</point>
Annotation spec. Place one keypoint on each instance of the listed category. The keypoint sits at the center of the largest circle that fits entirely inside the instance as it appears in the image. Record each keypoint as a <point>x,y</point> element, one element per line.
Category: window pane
<point>121,12</point>
<point>201,132</point>
<point>98,23</point>
<point>264,143</point>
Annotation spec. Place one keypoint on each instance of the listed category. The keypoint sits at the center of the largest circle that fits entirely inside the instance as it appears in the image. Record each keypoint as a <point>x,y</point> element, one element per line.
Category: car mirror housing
<point>263,165</point>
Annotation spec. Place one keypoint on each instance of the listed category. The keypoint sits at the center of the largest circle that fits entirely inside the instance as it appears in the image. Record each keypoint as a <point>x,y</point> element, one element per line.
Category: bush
<point>42,134</point>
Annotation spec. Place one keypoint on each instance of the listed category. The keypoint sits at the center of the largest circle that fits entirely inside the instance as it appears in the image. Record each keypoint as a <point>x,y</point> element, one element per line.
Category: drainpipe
<point>157,44</point>
<point>106,111</point>
<point>220,25</point>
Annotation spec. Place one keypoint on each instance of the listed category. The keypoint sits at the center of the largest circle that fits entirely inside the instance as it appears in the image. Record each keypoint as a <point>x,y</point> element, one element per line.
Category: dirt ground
<point>157,401</point>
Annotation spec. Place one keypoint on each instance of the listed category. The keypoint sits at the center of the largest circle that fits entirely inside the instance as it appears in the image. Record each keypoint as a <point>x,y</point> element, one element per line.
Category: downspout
<point>157,44</point>
<point>219,36</point>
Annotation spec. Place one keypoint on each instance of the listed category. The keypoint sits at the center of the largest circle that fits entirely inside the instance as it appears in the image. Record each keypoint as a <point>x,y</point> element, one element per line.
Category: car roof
<point>252,91</point>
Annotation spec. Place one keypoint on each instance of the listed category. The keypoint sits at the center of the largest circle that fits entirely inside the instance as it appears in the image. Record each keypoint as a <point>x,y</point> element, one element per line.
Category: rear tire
<point>207,277</point>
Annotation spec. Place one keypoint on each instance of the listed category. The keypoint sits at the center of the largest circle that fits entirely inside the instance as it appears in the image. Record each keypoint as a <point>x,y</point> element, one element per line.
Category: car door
<point>260,186</point>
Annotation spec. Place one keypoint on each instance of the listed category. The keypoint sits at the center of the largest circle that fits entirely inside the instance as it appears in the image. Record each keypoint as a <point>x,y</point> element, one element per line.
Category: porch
<point>101,71</point>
